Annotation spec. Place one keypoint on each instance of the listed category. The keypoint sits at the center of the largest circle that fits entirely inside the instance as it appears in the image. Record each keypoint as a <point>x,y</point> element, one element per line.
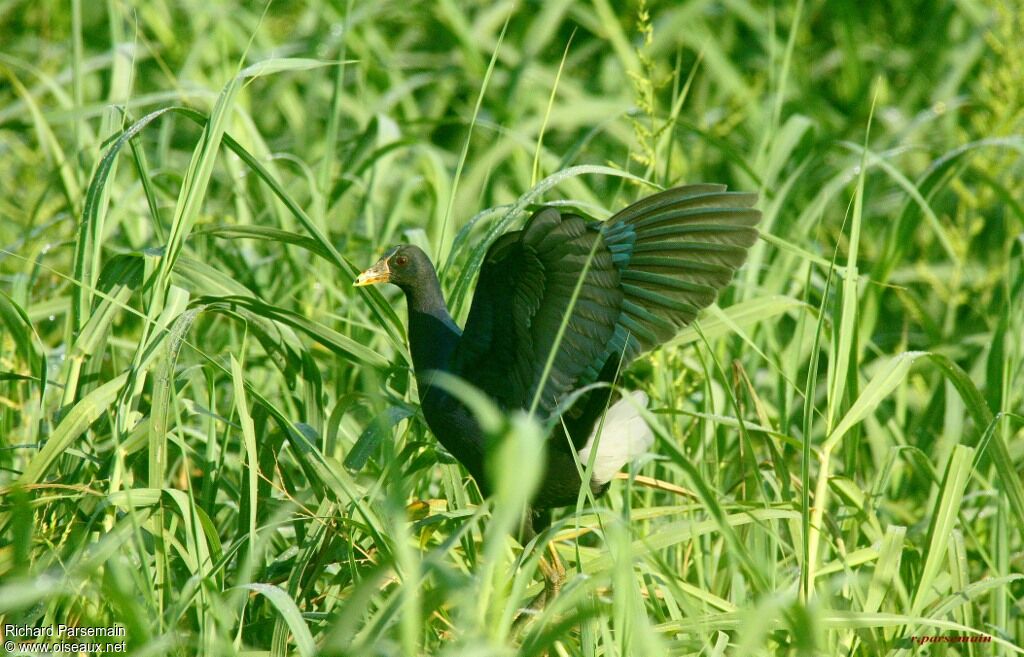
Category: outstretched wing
<point>652,267</point>
<point>525,290</point>
<point>675,251</point>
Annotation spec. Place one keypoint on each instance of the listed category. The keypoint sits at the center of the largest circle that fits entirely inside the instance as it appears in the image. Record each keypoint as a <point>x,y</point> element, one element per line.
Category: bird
<point>578,300</point>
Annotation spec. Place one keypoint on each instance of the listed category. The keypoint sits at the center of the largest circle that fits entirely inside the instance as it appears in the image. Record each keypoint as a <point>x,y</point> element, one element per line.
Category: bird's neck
<point>433,337</point>
<point>433,334</point>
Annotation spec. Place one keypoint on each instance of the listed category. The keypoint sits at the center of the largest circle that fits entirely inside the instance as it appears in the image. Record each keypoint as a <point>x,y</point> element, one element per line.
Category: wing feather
<point>646,272</point>
<point>524,291</point>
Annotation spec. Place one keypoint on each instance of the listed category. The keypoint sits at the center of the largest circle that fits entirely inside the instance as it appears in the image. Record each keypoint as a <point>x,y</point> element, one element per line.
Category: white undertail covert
<point>624,436</point>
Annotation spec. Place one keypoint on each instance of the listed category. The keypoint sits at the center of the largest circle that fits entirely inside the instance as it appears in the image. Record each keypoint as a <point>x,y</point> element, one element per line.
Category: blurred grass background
<point>209,436</point>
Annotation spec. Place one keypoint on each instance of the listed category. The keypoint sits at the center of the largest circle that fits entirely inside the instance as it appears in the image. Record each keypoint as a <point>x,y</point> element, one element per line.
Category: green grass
<point>209,436</point>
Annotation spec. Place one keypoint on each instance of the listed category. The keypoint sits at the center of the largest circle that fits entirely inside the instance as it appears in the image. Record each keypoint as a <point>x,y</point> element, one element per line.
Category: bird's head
<point>403,265</point>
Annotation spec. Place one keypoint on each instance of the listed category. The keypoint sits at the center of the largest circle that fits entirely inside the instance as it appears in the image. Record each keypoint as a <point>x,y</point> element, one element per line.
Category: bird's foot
<point>553,573</point>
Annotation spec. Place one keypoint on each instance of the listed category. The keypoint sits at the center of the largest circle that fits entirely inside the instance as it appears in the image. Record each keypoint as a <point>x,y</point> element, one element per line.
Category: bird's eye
<point>401,261</point>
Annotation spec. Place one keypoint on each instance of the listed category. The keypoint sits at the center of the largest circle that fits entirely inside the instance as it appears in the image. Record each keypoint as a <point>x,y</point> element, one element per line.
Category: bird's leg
<point>553,572</point>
